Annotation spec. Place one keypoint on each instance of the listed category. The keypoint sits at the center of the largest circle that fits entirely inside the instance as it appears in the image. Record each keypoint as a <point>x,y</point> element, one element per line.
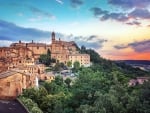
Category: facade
<point>12,83</point>
<point>83,59</point>
<point>60,50</point>
<point>18,67</point>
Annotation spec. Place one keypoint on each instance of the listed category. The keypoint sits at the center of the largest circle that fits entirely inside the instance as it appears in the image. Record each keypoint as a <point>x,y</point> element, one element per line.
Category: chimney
<point>32,41</point>
<point>19,41</point>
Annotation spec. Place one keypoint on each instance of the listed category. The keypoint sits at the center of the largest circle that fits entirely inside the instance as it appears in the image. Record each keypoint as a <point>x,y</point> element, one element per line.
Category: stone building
<point>18,67</point>
<point>12,83</point>
<point>60,50</point>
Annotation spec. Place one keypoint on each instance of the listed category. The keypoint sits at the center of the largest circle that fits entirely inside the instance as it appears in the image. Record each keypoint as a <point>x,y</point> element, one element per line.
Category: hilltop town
<point>108,85</point>
<point>20,67</point>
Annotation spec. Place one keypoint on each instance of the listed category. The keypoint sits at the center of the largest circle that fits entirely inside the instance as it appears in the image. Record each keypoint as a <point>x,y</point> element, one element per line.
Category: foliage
<point>31,106</point>
<point>68,81</point>
<point>94,56</point>
<point>101,88</point>
<point>46,58</point>
<point>76,66</point>
<point>59,67</point>
<point>129,70</point>
<point>69,64</point>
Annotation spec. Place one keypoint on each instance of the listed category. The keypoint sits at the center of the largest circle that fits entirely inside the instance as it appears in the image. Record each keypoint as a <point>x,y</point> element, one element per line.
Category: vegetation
<point>31,106</point>
<point>46,58</point>
<point>59,67</point>
<point>69,64</point>
<point>76,66</point>
<point>93,91</point>
<point>101,88</point>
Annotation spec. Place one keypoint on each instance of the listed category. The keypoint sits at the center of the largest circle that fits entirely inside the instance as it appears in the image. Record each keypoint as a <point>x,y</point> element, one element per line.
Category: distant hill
<point>135,62</point>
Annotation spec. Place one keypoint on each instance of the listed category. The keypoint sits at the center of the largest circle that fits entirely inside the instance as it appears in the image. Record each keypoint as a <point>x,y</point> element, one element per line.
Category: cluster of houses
<point>18,67</point>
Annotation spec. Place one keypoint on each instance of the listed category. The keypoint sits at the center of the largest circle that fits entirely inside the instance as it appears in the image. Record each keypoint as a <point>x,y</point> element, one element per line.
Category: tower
<point>53,36</point>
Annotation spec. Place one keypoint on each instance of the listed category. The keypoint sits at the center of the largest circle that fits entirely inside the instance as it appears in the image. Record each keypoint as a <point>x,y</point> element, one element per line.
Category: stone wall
<point>12,85</point>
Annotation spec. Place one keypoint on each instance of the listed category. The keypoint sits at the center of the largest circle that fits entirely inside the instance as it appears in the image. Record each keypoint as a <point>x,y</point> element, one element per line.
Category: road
<point>11,106</point>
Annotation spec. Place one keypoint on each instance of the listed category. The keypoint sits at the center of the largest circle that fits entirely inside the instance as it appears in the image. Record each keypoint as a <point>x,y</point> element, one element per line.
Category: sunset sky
<point>116,29</point>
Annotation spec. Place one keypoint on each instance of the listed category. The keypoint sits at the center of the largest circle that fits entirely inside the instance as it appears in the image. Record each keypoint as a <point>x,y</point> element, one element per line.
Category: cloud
<point>140,13</point>
<point>91,37</point>
<point>92,41</point>
<point>130,3</point>
<point>11,31</point>
<point>76,3</point>
<point>148,25</point>
<point>34,10</point>
<point>134,23</point>
<point>40,12</point>
<point>129,18</point>
<point>106,15</point>
<point>98,11</point>
<point>141,46</point>
<point>38,18</point>
<point>4,38</point>
<point>5,43</point>
<point>115,16</point>
<point>59,1</point>
<point>120,46</point>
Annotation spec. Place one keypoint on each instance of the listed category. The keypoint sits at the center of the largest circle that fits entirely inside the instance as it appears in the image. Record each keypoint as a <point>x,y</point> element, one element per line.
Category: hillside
<point>139,62</point>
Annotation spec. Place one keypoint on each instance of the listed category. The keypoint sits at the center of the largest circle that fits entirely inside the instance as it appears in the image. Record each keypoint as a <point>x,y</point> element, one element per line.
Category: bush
<point>30,105</point>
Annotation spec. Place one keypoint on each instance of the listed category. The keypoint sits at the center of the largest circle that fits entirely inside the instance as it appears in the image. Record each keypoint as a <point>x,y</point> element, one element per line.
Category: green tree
<point>69,64</point>
<point>58,67</point>
<point>68,81</point>
<point>59,80</point>
<point>83,49</point>
<point>49,53</point>
<point>45,58</point>
<point>76,66</point>
<point>53,103</point>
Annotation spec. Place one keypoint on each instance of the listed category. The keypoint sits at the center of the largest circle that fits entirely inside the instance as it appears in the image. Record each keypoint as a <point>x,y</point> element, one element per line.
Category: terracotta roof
<point>7,73</point>
<point>10,73</point>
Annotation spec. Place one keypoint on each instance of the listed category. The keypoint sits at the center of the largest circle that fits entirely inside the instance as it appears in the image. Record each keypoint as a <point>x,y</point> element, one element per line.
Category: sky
<point>116,29</point>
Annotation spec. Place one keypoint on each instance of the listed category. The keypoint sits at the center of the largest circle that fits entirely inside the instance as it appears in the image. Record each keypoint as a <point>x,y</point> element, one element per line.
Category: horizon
<point>116,29</point>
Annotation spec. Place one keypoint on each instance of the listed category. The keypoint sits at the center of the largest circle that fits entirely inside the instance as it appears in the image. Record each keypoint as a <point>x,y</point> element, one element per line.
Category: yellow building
<point>83,59</point>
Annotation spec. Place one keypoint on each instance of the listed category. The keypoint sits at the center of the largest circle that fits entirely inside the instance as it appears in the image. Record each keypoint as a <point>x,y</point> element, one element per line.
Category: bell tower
<point>53,36</point>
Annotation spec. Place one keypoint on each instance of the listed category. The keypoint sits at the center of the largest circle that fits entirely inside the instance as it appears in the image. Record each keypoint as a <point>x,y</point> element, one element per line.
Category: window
<point>8,83</point>
<point>37,47</point>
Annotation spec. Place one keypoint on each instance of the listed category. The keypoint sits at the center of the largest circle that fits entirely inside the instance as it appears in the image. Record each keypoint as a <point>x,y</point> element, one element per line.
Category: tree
<point>58,67</point>
<point>83,49</point>
<point>53,60</point>
<point>45,58</point>
<point>76,66</point>
<point>68,81</point>
<point>59,80</point>
<point>69,63</point>
<point>49,53</point>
